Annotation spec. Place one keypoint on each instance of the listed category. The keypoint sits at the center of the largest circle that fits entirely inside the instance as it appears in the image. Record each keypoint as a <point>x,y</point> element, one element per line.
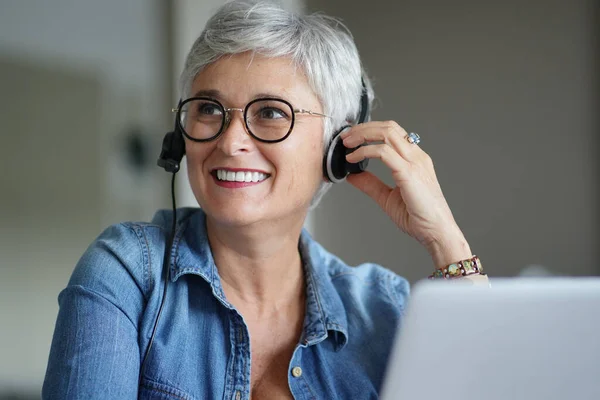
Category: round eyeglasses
<point>270,120</point>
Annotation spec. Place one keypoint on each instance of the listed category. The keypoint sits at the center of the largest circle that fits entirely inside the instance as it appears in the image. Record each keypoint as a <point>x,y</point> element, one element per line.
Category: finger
<point>376,131</point>
<point>385,153</point>
<point>372,186</point>
<point>388,132</point>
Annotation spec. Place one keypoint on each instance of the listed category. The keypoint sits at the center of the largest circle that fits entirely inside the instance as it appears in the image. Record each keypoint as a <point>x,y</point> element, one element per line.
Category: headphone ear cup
<point>334,162</point>
<point>356,168</point>
<point>335,166</point>
<point>173,149</point>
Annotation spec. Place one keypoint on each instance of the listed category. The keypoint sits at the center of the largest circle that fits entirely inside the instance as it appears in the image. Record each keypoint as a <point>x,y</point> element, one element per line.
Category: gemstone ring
<point>413,138</point>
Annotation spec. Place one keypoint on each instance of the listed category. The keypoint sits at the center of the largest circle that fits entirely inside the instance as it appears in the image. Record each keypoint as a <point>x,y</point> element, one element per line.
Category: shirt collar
<point>324,309</point>
<point>191,252</point>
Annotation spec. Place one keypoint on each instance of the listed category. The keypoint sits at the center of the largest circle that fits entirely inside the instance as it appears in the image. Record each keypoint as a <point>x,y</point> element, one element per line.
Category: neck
<point>259,264</point>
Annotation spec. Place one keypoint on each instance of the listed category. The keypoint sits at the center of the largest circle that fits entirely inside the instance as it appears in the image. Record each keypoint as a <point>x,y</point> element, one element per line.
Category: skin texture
<point>254,230</point>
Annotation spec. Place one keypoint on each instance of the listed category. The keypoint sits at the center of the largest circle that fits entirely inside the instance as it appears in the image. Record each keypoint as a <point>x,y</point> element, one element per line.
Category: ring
<point>413,138</point>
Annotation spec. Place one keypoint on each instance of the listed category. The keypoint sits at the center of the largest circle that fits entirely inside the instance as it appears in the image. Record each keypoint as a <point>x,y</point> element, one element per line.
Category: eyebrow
<point>207,93</point>
<point>215,94</point>
<point>266,94</point>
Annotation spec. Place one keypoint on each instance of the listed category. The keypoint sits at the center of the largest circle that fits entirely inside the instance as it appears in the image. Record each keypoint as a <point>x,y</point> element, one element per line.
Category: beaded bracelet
<point>462,268</point>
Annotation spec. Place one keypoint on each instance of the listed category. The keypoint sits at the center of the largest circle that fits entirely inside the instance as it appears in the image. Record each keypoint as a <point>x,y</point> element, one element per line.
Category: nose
<point>234,139</point>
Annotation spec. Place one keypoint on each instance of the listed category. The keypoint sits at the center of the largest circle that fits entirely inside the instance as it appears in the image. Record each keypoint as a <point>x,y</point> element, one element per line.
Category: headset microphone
<point>173,149</point>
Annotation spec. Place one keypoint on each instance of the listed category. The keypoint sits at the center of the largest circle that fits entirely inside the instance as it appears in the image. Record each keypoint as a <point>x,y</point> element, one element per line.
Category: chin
<point>232,214</point>
<point>250,213</point>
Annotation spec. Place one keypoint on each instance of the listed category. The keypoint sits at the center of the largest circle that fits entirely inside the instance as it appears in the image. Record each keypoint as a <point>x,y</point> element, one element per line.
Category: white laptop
<point>522,338</point>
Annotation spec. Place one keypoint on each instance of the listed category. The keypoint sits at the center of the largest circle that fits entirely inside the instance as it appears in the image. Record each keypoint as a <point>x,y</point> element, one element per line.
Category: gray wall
<point>75,77</point>
<point>50,210</point>
<point>503,94</point>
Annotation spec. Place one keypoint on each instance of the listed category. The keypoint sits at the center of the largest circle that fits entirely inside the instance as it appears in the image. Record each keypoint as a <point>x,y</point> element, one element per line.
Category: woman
<point>255,307</point>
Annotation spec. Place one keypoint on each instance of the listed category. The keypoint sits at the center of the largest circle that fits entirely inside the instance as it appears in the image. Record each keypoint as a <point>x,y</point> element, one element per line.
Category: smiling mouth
<point>239,176</point>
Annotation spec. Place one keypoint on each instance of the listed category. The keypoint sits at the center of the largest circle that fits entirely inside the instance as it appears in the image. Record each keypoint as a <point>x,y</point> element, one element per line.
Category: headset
<point>335,169</point>
<point>335,166</point>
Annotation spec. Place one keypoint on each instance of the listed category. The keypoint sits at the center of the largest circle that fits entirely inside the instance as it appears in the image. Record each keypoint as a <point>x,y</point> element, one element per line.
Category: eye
<point>269,112</point>
<point>207,108</point>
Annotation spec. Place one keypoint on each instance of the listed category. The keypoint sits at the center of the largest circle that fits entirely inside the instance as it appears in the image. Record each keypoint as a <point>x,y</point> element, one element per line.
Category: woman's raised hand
<point>416,203</point>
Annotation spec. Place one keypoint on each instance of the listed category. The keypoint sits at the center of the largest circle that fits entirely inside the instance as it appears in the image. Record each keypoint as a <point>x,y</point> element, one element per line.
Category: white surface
<point>521,339</point>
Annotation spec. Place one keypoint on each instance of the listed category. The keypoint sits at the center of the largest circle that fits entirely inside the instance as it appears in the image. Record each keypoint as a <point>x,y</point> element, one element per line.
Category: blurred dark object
<point>136,149</point>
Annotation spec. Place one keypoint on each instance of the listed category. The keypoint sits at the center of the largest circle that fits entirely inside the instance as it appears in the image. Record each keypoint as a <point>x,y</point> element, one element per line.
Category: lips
<point>240,175</point>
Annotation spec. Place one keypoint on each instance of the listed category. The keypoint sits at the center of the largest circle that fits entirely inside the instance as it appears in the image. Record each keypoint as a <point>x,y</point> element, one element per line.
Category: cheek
<point>308,166</point>
<point>195,157</point>
<point>193,175</point>
<point>317,159</point>
<point>196,153</point>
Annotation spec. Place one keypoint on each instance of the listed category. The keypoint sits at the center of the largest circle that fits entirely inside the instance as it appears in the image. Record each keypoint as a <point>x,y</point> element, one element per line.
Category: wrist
<point>450,249</point>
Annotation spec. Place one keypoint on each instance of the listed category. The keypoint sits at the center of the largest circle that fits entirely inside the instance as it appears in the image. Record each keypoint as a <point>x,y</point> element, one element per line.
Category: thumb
<point>371,185</point>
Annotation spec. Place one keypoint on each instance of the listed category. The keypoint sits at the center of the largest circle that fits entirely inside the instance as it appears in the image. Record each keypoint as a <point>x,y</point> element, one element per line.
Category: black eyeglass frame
<point>227,117</point>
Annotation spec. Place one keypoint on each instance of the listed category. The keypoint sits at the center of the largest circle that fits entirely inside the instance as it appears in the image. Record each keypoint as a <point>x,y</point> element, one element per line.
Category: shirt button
<point>297,372</point>
<point>238,395</point>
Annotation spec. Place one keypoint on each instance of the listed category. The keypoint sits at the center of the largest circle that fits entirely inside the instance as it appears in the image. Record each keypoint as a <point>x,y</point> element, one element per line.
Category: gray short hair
<point>321,45</point>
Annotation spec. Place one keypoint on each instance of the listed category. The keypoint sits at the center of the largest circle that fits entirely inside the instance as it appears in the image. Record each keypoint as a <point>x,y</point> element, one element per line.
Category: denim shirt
<point>202,346</point>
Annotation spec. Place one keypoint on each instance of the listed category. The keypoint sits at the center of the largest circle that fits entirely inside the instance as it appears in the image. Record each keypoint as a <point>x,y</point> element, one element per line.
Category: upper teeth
<point>240,176</point>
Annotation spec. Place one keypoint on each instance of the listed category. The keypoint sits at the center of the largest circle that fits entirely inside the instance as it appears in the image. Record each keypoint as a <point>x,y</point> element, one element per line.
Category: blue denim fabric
<point>202,346</point>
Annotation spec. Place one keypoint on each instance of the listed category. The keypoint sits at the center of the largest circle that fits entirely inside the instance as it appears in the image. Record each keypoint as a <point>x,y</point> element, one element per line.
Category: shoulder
<point>365,303</point>
<point>367,284</point>
<point>370,281</point>
<point>127,254</point>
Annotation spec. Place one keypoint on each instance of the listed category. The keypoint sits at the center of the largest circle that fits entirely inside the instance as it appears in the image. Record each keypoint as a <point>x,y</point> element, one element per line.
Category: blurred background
<point>504,94</point>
